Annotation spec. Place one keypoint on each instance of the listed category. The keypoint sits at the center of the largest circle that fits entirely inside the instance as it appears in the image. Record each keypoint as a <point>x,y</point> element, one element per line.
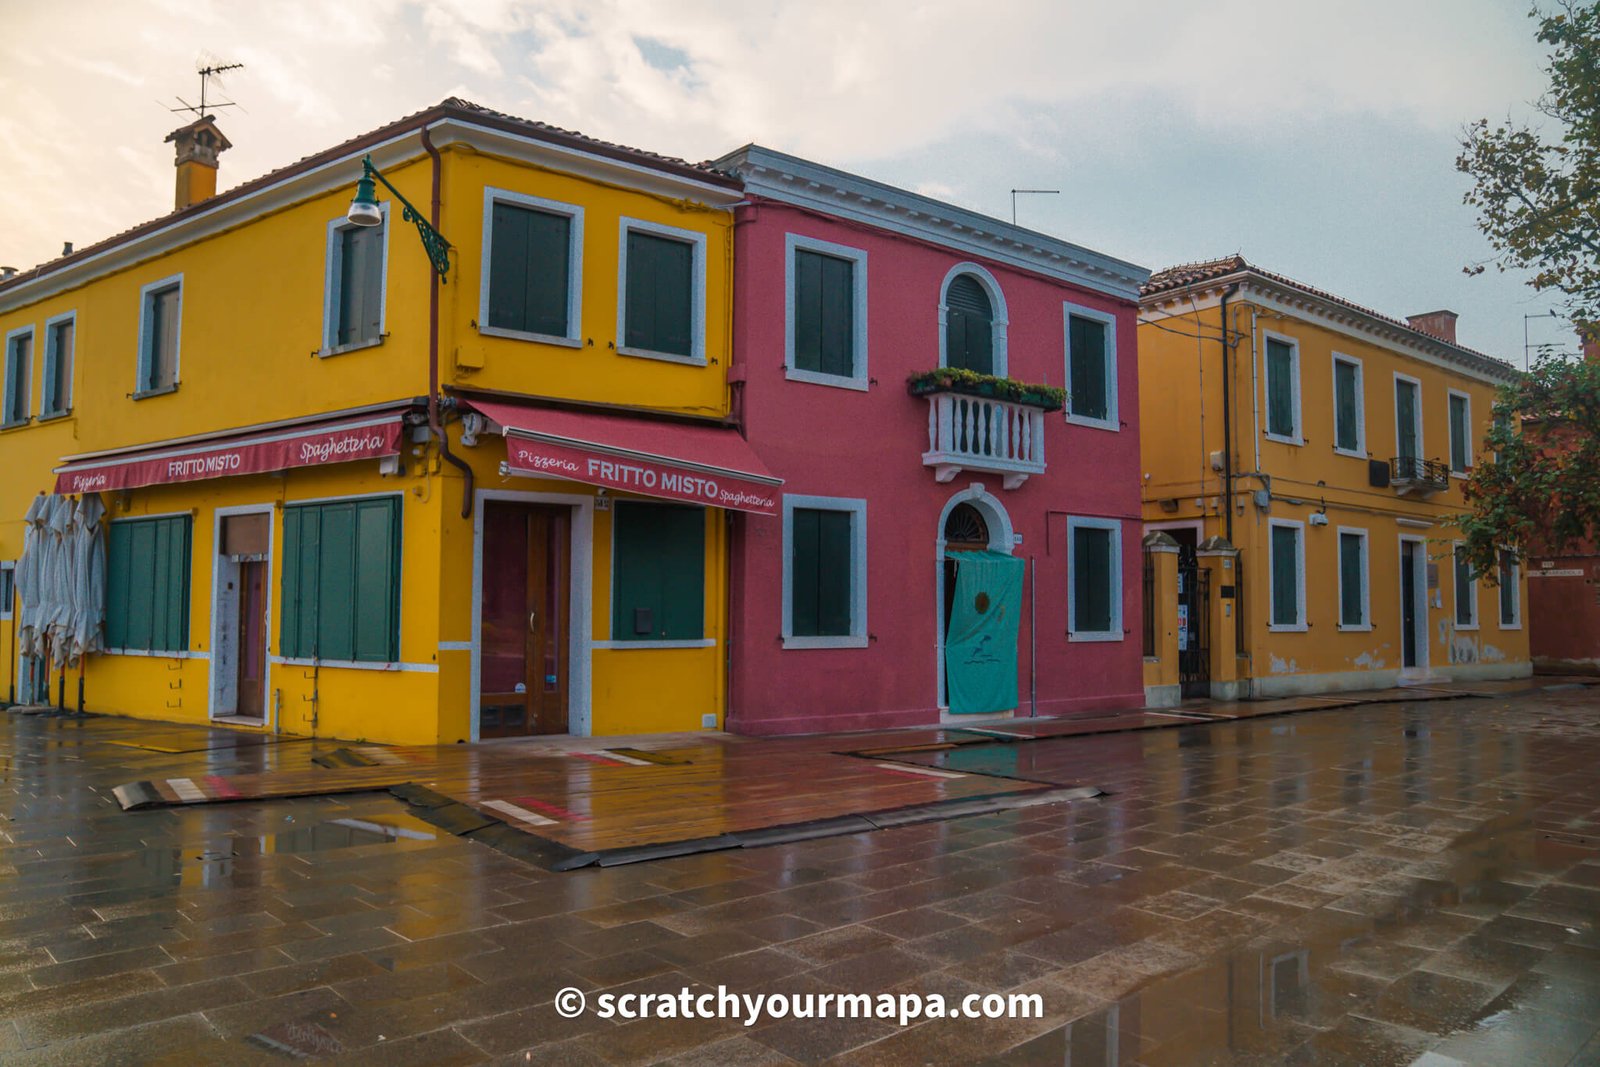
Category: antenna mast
<point>207,72</point>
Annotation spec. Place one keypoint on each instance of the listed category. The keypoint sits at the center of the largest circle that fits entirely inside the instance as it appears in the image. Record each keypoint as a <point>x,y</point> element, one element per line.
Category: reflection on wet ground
<point>1387,884</point>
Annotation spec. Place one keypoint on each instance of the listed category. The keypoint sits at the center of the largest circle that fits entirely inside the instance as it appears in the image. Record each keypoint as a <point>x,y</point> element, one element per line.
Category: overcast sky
<point>1318,139</point>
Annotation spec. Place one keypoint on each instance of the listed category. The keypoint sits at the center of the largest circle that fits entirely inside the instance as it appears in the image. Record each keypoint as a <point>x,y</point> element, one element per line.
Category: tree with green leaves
<point>1537,191</point>
<point>1541,489</point>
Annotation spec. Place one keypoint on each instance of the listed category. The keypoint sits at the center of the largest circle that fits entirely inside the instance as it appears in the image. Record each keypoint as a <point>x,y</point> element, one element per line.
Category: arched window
<point>965,528</point>
<point>969,326</point>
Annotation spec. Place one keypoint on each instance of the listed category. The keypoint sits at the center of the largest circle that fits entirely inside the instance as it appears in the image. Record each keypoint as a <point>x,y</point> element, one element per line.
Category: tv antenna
<point>1028,192</point>
<point>207,72</point>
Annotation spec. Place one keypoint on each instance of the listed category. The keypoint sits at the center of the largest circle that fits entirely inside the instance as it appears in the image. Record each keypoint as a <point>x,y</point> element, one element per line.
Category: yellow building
<point>1308,469</point>
<point>325,448</point>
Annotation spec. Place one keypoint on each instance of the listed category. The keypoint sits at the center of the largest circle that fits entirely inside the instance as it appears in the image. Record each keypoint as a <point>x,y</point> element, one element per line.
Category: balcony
<point>985,434</point>
<point>1409,474</point>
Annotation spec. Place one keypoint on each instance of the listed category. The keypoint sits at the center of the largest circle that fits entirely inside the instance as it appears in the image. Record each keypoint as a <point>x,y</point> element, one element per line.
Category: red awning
<point>709,465</point>
<point>310,443</point>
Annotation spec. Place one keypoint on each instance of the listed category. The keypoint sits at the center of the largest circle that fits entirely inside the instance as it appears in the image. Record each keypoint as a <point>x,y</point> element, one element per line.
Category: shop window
<point>353,314</point>
<point>827,317</point>
<point>341,581</point>
<point>60,335</point>
<point>147,585</point>
<point>658,567</point>
<point>663,286</point>
<point>532,267</point>
<point>18,376</point>
<point>1094,561</point>
<point>1091,367</point>
<point>825,572</point>
<point>160,325</point>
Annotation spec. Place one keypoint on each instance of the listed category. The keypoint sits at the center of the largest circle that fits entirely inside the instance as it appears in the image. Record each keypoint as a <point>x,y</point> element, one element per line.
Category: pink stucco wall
<point>827,441</point>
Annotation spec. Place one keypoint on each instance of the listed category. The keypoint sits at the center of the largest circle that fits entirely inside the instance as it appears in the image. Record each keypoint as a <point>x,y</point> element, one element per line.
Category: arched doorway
<point>973,524</point>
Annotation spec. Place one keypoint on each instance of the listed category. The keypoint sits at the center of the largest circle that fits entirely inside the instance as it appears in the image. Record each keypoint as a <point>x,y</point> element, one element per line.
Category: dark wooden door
<point>1408,604</point>
<point>524,632</point>
<point>252,638</point>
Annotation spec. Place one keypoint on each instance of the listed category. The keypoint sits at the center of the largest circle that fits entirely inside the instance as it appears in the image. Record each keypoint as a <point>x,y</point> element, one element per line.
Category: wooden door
<point>523,637</point>
<point>1408,604</point>
<point>252,630</point>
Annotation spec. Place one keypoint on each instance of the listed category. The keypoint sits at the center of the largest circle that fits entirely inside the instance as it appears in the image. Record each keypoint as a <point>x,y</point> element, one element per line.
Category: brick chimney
<point>198,146</point>
<point>1440,324</point>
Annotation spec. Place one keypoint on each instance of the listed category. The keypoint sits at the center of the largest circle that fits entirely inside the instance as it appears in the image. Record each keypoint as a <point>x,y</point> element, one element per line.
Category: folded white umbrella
<point>56,583</point>
<point>88,553</point>
<point>28,576</point>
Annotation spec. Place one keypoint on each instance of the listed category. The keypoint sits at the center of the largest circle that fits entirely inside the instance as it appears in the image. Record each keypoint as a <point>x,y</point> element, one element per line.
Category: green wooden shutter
<point>341,581</point>
<point>1466,610</point>
<point>119,577</point>
<point>1346,406</point>
<point>1285,576</point>
<point>147,584</point>
<point>1280,389</point>
<point>336,586</point>
<point>835,551</point>
<point>658,572</point>
<point>1405,406</point>
<point>508,267</point>
<point>549,255</point>
<point>377,586</point>
<point>1088,393</point>
<point>824,327</point>
<point>969,326</point>
<point>1351,566</point>
<point>1459,433</point>
<point>360,285</point>
<point>17,375</point>
<point>1508,592</point>
<point>804,612</point>
<point>658,312</point>
<point>1091,579</point>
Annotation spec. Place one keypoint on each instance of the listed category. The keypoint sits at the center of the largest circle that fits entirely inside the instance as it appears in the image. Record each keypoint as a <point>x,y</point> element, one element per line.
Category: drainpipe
<point>1227,417</point>
<point>433,347</point>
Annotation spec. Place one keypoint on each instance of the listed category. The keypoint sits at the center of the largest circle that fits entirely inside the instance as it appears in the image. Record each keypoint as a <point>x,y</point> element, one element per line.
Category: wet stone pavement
<point>1391,884</point>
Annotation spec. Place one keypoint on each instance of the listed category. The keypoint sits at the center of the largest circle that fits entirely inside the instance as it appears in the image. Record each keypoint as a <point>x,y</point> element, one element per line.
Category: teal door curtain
<point>980,652</point>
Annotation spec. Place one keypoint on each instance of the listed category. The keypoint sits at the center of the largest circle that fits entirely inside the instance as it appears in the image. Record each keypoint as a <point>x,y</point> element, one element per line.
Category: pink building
<point>940,556</point>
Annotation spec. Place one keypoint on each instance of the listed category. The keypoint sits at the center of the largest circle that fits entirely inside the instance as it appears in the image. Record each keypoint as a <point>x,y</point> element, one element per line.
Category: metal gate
<point>1194,629</point>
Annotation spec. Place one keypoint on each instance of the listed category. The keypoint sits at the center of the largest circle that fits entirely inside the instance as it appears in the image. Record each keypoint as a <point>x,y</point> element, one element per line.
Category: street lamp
<point>364,211</point>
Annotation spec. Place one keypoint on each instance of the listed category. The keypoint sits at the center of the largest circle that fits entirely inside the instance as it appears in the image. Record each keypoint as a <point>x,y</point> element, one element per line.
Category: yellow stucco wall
<point>1182,425</point>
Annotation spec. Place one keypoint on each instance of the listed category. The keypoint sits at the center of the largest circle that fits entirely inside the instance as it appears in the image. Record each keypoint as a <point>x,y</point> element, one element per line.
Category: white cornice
<point>342,171</point>
<point>1329,314</point>
<point>813,186</point>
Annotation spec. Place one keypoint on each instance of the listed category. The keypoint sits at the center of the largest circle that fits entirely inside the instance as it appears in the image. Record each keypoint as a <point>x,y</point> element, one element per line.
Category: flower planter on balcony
<point>968,383</point>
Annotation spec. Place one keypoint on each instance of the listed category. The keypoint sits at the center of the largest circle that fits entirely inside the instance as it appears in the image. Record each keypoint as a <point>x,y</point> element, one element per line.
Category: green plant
<point>961,380</point>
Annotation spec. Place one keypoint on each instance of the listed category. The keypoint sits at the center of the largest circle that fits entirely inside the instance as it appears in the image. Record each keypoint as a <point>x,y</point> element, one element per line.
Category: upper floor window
<point>532,268</point>
<point>661,310</point>
<point>354,287</point>
<point>827,300</point>
<point>1460,432</point>
<point>160,320</point>
<point>1283,390</point>
<point>1349,408</point>
<point>972,321</point>
<point>1091,367</point>
<point>1407,418</point>
<point>18,377</point>
<point>60,336</point>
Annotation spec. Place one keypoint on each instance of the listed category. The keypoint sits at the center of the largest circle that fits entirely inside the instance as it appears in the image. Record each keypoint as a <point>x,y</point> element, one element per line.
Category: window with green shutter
<point>1460,433</point>
<point>1510,574</point>
<point>18,377</point>
<point>1352,579</point>
<point>1346,405</point>
<point>1094,579</point>
<point>1088,365</point>
<point>1285,550</point>
<point>161,319</point>
<point>341,581</point>
<point>822,582</point>
<point>1283,420</point>
<point>969,326</point>
<point>658,301</point>
<point>824,313</point>
<point>1466,592</point>
<point>357,303</point>
<point>658,567</point>
<point>1408,419</point>
<point>147,584</point>
<point>530,257</point>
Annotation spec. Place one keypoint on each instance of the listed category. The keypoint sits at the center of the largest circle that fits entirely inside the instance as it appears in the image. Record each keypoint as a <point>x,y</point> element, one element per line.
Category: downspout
<point>1227,418</point>
<point>434,282</point>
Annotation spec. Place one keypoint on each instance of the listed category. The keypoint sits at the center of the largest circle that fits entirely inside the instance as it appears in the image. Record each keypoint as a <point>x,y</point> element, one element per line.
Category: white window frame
<point>1299,435</point>
<point>857,637</point>
<point>139,392</point>
<point>858,378</point>
<point>573,338</point>
<point>47,367</point>
<point>1516,599</point>
<point>1301,625</point>
<point>1360,451</point>
<point>1394,398</point>
<point>696,240</point>
<point>1366,577</point>
<point>8,566</point>
<point>1450,427</point>
<point>1455,592</point>
<point>997,306</point>
<point>332,273</point>
<point>26,385</point>
<point>1114,526</point>
<point>1110,422</point>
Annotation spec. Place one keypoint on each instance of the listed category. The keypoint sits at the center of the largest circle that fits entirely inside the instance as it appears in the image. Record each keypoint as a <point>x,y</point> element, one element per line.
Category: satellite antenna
<point>207,72</point>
